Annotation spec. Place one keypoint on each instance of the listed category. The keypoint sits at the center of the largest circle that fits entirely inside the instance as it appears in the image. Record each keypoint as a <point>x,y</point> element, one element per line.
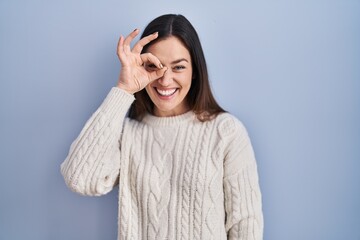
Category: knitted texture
<point>178,178</point>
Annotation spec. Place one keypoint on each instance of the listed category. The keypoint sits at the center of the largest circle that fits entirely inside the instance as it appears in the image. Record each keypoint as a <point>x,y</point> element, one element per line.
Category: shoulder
<point>229,126</point>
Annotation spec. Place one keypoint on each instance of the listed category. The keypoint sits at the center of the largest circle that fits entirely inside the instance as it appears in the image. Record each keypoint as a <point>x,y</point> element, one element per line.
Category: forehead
<point>169,49</point>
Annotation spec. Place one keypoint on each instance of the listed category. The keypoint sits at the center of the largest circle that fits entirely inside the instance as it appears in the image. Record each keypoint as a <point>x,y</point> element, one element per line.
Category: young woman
<point>185,168</point>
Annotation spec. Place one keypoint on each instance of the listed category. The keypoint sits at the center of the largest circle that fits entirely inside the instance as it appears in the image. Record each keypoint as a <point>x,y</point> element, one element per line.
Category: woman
<point>185,168</point>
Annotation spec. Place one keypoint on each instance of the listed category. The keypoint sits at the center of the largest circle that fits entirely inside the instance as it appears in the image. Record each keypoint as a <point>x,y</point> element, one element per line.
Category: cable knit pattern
<point>178,178</point>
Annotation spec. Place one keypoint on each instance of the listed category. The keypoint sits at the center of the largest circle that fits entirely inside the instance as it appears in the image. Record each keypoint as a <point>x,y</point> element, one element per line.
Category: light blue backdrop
<point>290,70</point>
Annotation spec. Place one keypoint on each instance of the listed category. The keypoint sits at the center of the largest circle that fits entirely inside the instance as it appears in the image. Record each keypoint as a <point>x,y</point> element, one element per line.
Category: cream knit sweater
<point>178,178</point>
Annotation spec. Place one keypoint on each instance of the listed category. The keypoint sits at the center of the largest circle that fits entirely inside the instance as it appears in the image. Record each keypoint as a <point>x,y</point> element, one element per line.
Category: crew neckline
<point>167,121</point>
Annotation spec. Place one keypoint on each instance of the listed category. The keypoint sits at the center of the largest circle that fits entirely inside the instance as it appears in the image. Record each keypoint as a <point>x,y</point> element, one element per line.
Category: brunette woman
<point>185,168</point>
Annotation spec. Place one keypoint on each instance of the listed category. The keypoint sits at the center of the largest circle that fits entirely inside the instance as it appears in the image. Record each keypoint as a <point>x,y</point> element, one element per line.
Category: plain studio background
<point>290,70</point>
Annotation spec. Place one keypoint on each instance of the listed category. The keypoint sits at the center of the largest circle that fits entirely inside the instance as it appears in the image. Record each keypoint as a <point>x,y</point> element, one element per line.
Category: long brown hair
<point>199,98</point>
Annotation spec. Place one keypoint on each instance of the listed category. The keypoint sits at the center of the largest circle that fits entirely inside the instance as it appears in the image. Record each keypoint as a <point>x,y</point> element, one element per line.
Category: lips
<point>166,92</point>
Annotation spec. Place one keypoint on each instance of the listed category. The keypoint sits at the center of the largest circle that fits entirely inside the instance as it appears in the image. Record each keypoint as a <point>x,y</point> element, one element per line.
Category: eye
<point>150,67</point>
<point>179,68</point>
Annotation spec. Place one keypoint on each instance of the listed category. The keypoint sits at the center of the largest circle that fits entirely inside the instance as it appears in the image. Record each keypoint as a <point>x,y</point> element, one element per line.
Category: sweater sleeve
<point>93,163</point>
<point>244,219</point>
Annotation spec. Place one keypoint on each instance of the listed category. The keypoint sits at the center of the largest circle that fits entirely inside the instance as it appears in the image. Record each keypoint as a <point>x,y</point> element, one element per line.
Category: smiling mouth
<point>166,93</point>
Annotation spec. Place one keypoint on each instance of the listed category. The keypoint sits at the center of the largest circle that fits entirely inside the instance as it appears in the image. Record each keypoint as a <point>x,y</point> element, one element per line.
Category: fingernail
<point>135,29</point>
<point>161,66</point>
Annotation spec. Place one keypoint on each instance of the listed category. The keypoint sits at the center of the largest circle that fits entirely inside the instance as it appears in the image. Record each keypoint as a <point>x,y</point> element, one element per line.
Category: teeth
<point>166,92</point>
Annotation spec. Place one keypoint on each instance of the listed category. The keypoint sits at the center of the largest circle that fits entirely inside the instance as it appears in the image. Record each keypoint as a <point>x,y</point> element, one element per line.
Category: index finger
<point>142,42</point>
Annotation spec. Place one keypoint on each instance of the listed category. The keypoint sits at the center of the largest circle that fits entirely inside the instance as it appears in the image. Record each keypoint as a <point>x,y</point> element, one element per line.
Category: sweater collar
<point>185,118</point>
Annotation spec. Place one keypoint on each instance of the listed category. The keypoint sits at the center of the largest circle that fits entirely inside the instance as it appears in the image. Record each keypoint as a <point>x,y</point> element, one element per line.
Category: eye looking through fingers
<point>150,67</point>
<point>151,60</point>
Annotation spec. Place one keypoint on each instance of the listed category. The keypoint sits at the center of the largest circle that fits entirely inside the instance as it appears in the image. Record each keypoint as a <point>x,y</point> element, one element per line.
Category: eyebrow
<point>179,60</point>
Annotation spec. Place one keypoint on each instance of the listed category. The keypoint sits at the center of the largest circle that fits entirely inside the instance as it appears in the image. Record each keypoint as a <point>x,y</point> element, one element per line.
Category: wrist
<point>124,88</point>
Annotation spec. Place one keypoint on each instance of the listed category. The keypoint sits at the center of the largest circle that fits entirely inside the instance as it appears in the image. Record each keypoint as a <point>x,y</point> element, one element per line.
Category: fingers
<point>157,74</point>
<point>129,39</point>
<point>142,42</point>
<point>124,47</point>
<point>150,58</point>
<point>120,48</point>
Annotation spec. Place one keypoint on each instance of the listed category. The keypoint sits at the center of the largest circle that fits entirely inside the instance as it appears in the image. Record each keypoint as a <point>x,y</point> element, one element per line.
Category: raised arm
<point>93,164</point>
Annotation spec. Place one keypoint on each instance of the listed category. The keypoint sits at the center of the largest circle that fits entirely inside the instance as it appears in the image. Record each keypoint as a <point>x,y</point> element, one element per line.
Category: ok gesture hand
<point>133,75</point>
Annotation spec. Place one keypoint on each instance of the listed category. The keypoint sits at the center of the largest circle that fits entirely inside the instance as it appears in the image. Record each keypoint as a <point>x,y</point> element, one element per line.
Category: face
<point>169,92</point>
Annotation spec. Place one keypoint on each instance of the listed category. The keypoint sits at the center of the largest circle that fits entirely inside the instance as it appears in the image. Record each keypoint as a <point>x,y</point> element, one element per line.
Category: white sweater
<point>178,178</point>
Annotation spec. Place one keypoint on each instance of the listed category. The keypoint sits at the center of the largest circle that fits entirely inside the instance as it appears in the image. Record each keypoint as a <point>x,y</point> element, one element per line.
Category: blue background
<point>290,70</point>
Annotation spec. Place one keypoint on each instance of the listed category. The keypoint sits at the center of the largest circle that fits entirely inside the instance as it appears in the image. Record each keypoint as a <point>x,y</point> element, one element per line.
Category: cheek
<point>186,80</point>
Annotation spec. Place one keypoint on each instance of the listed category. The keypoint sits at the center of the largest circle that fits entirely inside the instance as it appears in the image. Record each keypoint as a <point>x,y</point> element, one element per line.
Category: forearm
<point>243,201</point>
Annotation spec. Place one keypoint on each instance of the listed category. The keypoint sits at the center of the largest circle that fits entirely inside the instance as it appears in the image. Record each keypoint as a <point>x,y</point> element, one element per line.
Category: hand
<point>133,75</point>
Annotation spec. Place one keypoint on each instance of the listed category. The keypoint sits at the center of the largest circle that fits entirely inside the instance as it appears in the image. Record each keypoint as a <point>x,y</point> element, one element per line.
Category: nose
<point>166,79</point>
